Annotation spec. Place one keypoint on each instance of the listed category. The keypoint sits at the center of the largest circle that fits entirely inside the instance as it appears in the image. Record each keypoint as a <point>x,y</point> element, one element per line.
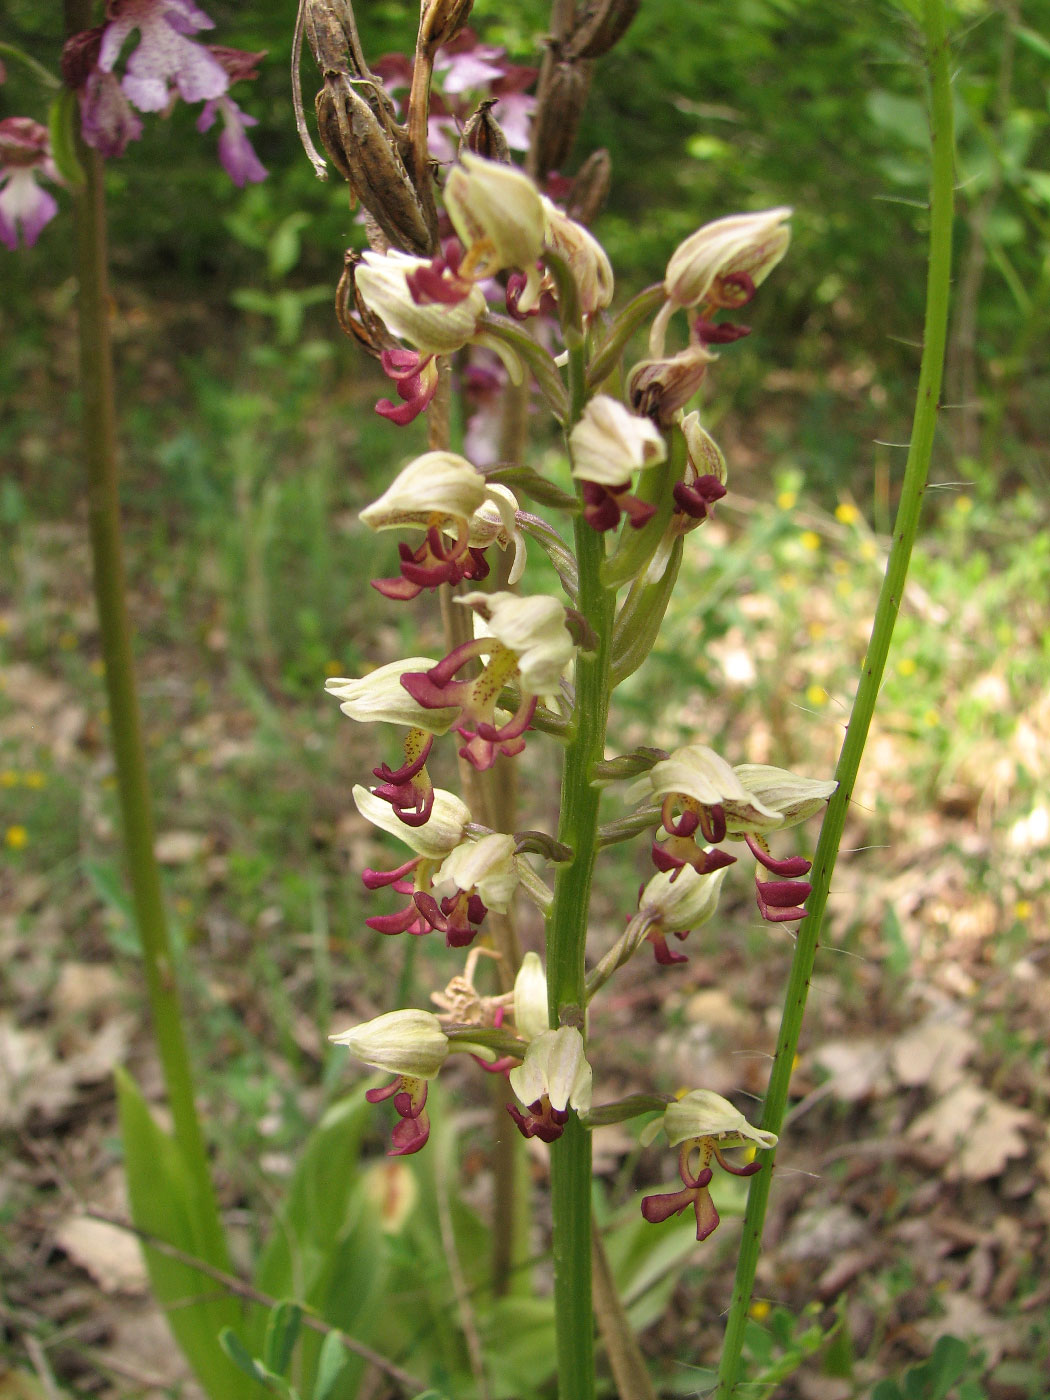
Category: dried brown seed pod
<point>369,161</point>
<point>599,25</point>
<point>353,315</point>
<point>440,21</point>
<point>484,136</point>
<point>590,189</point>
<point>558,113</point>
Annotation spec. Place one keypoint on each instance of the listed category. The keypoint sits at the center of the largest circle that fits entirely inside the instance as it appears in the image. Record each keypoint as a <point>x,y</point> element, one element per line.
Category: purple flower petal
<point>107,120</point>
<point>164,55</point>
<point>235,150</point>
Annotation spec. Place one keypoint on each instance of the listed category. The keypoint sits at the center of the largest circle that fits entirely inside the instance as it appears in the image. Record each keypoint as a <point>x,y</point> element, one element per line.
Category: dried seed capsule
<point>600,25</point>
<point>590,189</point>
<point>484,136</point>
<point>369,161</point>
<point>353,314</point>
<point>441,20</point>
<point>558,114</point>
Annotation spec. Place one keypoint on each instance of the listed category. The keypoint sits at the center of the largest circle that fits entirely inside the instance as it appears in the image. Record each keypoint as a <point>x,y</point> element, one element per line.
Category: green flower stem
<point>100,455</point>
<point>923,429</point>
<point>566,943</point>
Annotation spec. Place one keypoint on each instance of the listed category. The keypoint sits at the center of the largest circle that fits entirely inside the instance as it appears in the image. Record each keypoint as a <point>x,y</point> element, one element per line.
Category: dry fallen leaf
<point>934,1053</point>
<point>978,1132</point>
<point>110,1255</point>
<point>856,1068</point>
<point>966,1318</point>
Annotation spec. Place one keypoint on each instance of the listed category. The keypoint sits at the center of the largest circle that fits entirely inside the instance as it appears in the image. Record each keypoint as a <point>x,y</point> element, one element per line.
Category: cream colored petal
<point>380,697</point>
<point>435,838</point>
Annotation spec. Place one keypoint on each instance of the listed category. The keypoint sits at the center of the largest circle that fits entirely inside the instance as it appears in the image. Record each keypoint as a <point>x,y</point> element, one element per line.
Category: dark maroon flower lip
<point>541,1120</point>
<point>410,1098</point>
<point>405,368</point>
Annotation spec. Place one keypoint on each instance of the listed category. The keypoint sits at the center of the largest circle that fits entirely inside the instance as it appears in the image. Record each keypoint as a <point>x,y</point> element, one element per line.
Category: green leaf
<point>1033,40</point>
<point>165,1202</point>
<point>282,1329</point>
<point>242,1357</point>
<point>297,1259</point>
<point>62,117</point>
<point>331,1362</point>
<point>886,1390</point>
<point>285,245</point>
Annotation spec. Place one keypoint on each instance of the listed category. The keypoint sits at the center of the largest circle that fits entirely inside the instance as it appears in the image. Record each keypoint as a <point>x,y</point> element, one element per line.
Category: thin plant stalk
<point>508,1239</point>
<point>566,943</point>
<point>924,426</point>
<point>99,435</point>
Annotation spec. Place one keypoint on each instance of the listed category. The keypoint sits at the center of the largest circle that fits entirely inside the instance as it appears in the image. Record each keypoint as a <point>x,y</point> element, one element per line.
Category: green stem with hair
<point>923,429</point>
<point>567,938</point>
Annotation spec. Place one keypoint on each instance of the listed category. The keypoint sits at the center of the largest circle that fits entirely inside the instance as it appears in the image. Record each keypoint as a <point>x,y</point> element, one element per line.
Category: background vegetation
<point>917,1187</point>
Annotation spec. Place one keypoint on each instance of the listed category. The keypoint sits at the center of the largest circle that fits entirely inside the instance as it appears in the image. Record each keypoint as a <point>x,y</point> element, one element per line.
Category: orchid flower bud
<point>585,256</point>
<point>432,328</point>
<point>555,1067</point>
<point>530,998</point>
<point>380,697</point>
<point>533,629</point>
<point>406,1042</point>
<point>497,213</point>
<point>659,387</point>
<point>705,455</point>
<point>610,442</point>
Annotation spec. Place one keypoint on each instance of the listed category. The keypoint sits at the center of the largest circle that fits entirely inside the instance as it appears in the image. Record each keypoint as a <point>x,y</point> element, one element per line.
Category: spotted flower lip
<point>610,442</point>
<point>533,628</point>
<point>431,328</point>
<point>436,838</point>
<point>380,697</point>
<point>164,55</point>
<point>555,1067</point>
<point>704,1114</point>
<point>25,153</point>
<point>408,1042</point>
